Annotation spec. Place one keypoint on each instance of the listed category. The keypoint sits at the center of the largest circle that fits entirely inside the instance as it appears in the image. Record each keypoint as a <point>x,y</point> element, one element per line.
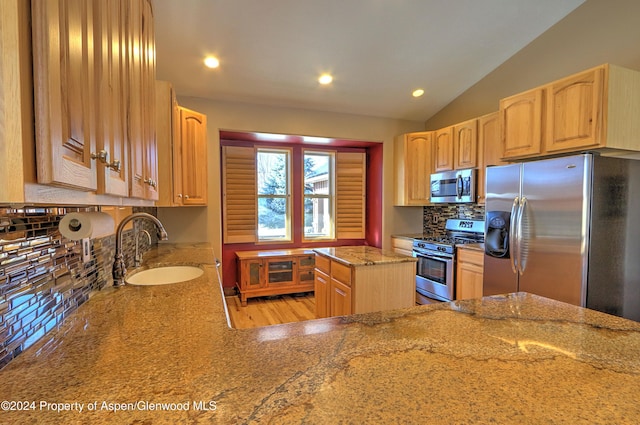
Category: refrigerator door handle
<point>521,212</point>
<point>513,234</point>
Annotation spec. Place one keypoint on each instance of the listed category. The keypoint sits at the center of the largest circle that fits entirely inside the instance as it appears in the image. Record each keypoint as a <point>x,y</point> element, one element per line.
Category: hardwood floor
<point>265,311</point>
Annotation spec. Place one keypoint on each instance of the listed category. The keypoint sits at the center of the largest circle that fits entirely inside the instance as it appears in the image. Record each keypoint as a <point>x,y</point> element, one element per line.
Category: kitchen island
<point>165,354</point>
<point>362,279</point>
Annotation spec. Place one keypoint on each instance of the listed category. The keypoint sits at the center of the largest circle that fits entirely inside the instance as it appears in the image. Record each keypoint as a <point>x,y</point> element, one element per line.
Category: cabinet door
<point>141,57</point>
<point>321,293</point>
<point>489,149</point>
<point>111,111</point>
<point>63,67</point>
<point>465,144</point>
<point>443,150</point>
<point>252,274</point>
<point>419,165</point>
<point>521,123</point>
<point>340,298</point>
<point>469,273</point>
<point>280,271</point>
<point>575,111</point>
<point>193,142</point>
<point>469,281</point>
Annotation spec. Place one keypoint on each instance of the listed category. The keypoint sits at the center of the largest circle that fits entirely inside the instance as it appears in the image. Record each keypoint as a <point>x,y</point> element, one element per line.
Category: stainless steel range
<point>435,272</point>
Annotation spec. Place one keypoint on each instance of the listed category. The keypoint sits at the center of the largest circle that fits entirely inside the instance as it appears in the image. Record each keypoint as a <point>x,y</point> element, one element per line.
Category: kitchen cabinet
<point>142,118</point>
<point>443,150</point>
<point>90,59</point>
<point>384,281</point>
<point>465,144</point>
<point>521,124</point>
<point>596,109</point>
<point>402,245</point>
<point>277,272</point>
<point>469,272</point>
<point>64,93</point>
<point>489,148</point>
<point>413,166</point>
<point>77,92</point>
<point>182,151</point>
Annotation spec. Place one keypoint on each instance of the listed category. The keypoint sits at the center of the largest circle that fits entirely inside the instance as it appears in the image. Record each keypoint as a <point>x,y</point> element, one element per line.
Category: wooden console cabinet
<point>275,272</point>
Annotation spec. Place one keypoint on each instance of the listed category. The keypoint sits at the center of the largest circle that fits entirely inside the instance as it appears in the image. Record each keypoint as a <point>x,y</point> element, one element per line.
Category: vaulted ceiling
<point>272,52</point>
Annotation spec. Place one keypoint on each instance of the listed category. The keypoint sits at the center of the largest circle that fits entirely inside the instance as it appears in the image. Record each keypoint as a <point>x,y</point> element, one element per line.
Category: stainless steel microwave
<point>454,186</point>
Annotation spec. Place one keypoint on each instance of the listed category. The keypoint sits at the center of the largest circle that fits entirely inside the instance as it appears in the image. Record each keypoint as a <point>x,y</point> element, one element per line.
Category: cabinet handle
<point>103,158</point>
<point>186,196</point>
<point>179,195</point>
<point>151,182</point>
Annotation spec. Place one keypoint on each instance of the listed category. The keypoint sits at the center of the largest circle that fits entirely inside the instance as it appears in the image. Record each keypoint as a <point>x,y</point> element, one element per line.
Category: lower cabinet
<point>341,290</point>
<point>469,273</point>
<point>401,245</point>
<point>263,273</point>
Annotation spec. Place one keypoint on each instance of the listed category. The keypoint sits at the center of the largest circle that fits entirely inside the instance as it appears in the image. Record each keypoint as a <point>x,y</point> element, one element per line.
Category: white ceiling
<point>272,51</point>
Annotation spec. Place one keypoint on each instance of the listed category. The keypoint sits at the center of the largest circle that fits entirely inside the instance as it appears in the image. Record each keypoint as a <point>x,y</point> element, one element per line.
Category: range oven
<point>435,271</point>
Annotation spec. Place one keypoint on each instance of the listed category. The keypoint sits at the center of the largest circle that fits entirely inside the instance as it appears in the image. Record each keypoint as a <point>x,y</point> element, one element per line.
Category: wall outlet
<point>86,250</point>
<point>435,218</point>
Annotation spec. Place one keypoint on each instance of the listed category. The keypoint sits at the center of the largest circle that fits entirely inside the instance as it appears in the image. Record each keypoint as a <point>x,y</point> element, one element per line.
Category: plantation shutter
<point>350,195</point>
<point>239,212</point>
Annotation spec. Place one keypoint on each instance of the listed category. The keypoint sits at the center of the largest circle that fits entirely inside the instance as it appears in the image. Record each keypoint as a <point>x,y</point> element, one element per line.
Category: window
<point>318,195</point>
<point>274,206</point>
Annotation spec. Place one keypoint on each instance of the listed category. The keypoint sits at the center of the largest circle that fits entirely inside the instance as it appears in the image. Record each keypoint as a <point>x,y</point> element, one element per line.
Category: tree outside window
<point>274,209</point>
<point>318,195</point>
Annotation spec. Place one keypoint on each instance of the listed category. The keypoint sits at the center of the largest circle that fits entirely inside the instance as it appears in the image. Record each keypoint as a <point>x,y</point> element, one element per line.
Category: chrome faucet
<point>119,269</point>
<point>138,257</point>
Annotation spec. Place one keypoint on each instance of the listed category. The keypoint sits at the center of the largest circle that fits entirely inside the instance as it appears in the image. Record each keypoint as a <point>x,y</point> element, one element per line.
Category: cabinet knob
<point>186,196</point>
<point>179,195</point>
<point>103,158</point>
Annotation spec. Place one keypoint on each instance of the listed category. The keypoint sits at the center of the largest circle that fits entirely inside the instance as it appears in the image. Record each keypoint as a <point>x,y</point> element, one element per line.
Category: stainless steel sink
<point>164,275</point>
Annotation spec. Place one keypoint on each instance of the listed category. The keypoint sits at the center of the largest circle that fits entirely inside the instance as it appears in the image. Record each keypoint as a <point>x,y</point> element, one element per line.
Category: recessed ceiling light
<point>325,79</point>
<point>211,62</point>
<point>418,92</point>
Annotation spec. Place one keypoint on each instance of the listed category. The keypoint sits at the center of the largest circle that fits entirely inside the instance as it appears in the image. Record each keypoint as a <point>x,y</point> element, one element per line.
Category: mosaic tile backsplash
<point>42,276</point>
<point>435,217</point>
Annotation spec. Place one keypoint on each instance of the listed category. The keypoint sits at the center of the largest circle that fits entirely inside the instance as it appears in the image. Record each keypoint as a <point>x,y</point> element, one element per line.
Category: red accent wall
<point>373,232</point>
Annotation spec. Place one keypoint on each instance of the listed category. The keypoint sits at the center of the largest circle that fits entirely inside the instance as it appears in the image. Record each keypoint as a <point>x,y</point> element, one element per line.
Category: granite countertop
<point>363,255</point>
<point>507,359</point>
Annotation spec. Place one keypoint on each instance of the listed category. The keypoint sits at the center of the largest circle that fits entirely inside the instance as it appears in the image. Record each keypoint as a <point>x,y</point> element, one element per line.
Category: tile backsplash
<point>42,276</point>
<point>434,217</point>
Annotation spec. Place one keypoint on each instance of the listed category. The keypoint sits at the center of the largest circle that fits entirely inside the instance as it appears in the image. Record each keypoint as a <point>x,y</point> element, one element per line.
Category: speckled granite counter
<point>363,255</point>
<point>512,359</point>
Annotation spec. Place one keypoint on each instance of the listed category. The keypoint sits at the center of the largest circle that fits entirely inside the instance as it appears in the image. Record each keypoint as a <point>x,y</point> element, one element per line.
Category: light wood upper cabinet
<point>575,111</point>
<point>64,74</point>
<point>142,118</point>
<point>596,109</point>
<point>182,151</point>
<point>465,144</point>
<point>489,148</point>
<point>521,123</point>
<point>443,150</point>
<point>94,70</point>
<point>111,110</point>
<point>413,166</point>
<point>193,146</point>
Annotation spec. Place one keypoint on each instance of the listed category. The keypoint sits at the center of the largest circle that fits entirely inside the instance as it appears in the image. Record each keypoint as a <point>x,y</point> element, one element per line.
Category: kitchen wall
<point>204,224</point>
<point>435,216</point>
<point>42,277</point>
<point>597,32</point>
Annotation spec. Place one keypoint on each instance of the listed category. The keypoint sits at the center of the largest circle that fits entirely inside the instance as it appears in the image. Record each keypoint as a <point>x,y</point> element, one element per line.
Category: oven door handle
<point>513,234</point>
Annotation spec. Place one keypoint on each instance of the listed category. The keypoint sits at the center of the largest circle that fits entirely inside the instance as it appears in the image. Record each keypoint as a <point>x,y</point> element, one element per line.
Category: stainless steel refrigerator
<point>566,228</point>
